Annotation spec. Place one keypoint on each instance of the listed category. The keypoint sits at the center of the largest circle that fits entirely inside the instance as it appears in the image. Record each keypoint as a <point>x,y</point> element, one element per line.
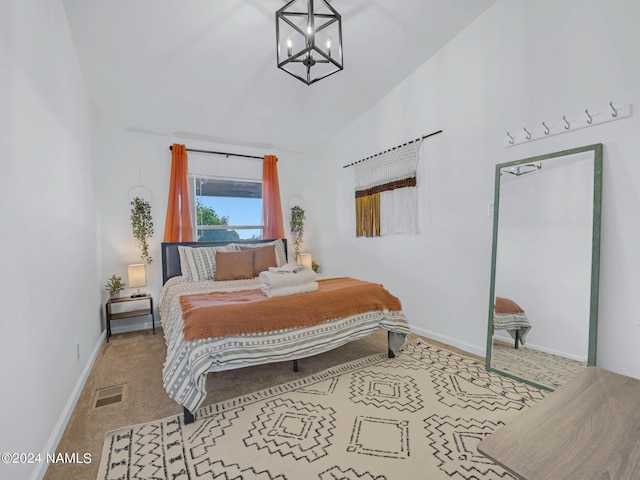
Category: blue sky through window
<point>241,211</point>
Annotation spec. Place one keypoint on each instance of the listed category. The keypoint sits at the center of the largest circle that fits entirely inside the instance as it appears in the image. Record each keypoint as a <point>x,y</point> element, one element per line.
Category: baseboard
<point>467,347</point>
<point>508,339</point>
<point>61,424</point>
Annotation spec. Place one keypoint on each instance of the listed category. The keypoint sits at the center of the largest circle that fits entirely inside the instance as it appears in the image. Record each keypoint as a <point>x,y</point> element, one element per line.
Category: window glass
<point>226,209</point>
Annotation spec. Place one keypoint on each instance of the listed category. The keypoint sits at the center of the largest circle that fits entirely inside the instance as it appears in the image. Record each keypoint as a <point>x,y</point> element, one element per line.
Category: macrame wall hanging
<point>386,200</point>
<point>385,191</point>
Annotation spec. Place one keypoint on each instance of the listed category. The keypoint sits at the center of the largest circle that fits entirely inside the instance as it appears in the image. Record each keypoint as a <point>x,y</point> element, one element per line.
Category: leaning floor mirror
<point>545,264</point>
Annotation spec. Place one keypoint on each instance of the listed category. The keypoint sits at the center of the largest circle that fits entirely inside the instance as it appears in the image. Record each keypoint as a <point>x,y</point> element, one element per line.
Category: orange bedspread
<point>219,314</point>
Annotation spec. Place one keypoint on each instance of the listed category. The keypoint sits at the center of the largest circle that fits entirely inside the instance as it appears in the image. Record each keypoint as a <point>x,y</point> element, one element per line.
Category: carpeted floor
<point>135,361</point>
<point>420,415</point>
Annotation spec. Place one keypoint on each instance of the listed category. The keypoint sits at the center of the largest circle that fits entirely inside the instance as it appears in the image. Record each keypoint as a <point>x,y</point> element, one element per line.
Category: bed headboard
<point>171,258</point>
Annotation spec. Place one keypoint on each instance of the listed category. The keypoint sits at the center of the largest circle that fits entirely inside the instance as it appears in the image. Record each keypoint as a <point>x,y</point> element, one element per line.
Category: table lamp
<point>137,278</point>
<point>304,259</point>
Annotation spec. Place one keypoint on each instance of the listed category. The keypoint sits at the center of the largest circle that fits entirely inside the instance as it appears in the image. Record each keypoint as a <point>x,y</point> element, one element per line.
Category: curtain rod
<point>406,143</point>
<point>219,153</point>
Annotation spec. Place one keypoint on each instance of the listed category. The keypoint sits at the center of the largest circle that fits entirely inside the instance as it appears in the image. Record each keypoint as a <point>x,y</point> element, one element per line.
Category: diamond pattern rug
<point>417,416</point>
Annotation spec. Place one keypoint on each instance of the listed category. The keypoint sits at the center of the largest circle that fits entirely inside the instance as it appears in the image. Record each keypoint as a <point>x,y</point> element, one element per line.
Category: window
<point>226,209</point>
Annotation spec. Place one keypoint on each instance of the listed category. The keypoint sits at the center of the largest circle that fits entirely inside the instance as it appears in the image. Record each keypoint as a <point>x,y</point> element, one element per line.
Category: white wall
<point>126,159</point>
<point>519,64</point>
<point>50,292</point>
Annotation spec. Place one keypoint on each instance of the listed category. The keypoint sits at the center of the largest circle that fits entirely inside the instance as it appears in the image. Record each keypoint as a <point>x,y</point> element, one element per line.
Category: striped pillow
<point>199,263</point>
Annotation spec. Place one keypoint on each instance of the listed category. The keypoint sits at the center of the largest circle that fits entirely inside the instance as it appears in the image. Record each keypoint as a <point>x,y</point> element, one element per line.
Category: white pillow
<point>199,263</point>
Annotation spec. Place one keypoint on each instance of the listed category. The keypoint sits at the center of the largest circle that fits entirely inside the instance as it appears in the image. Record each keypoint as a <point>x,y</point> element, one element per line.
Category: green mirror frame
<point>597,150</point>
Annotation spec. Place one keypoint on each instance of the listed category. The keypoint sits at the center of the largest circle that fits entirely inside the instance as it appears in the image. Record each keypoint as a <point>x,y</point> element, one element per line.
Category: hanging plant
<point>142,224</point>
<point>297,227</point>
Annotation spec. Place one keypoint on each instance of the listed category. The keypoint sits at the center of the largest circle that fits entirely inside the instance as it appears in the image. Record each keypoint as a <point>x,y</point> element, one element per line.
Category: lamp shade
<point>137,275</point>
<point>304,259</point>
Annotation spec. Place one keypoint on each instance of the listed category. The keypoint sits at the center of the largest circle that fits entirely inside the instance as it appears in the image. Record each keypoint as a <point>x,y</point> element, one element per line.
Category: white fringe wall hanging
<point>385,191</point>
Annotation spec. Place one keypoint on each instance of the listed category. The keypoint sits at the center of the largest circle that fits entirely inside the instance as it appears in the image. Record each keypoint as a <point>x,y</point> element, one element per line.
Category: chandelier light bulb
<point>289,46</point>
<point>328,44</point>
<point>309,29</point>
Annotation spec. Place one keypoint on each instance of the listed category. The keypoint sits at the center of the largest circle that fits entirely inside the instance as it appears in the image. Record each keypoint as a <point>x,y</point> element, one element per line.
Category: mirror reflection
<point>544,285</point>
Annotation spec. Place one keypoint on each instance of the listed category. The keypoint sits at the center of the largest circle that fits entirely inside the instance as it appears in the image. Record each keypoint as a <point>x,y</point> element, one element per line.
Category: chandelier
<point>309,39</point>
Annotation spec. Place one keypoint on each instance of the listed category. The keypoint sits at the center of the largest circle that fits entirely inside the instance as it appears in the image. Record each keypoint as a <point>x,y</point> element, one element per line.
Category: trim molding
<point>467,347</point>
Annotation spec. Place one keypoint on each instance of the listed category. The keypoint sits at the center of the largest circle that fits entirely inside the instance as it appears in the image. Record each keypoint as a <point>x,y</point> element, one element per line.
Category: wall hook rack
<point>615,112</point>
<point>569,123</point>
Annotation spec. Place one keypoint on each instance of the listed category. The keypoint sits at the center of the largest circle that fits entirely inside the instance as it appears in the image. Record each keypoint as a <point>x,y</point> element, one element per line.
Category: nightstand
<point>129,314</point>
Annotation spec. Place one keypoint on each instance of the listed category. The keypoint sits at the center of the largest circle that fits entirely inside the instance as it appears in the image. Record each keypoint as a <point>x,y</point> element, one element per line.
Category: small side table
<point>134,313</point>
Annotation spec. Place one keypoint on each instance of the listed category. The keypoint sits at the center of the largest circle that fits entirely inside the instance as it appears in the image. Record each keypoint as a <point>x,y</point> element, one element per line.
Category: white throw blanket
<point>288,279</point>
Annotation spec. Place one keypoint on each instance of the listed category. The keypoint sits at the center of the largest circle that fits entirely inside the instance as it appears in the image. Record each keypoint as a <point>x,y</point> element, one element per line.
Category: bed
<point>194,349</point>
<point>508,315</point>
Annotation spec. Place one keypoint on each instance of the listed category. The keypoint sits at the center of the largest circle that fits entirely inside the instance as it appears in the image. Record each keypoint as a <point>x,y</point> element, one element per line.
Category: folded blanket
<point>291,290</point>
<point>271,280</point>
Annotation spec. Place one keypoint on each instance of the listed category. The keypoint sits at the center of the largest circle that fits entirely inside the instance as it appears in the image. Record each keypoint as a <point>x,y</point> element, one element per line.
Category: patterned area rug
<point>542,368</point>
<point>418,416</point>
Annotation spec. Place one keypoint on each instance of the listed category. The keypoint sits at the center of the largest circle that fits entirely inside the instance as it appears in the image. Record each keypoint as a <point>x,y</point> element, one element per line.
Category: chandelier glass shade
<point>309,40</point>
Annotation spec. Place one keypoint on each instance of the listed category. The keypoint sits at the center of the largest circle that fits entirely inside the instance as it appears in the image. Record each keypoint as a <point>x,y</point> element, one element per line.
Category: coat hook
<point>528,133</point>
<point>546,129</point>
<point>615,112</point>
<point>567,125</point>
<point>511,139</point>
<point>589,117</point>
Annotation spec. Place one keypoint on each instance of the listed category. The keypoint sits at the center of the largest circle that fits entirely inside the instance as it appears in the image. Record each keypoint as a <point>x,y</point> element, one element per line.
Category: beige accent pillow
<point>281,257</point>
<point>263,258</point>
<point>234,265</point>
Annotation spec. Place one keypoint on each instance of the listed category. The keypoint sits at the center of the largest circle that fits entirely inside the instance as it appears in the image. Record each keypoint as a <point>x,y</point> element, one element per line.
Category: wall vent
<point>109,395</point>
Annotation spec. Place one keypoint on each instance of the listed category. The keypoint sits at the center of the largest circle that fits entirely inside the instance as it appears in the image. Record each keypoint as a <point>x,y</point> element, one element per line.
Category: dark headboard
<point>171,258</point>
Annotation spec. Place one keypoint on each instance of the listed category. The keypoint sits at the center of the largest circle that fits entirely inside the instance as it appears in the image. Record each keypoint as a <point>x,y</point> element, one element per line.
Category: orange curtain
<point>271,206</point>
<point>178,226</point>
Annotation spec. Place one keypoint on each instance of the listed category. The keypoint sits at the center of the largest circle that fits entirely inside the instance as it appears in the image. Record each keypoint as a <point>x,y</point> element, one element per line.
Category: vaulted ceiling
<point>206,69</point>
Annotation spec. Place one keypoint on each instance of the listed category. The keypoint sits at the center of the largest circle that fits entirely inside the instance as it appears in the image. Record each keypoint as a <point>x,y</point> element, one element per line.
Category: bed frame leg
<point>295,365</point>
<point>188,416</point>
<point>391,354</point>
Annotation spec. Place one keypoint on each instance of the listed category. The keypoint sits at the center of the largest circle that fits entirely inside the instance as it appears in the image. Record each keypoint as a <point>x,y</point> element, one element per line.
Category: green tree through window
<point>208,216</point>
<point>225,209</point>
